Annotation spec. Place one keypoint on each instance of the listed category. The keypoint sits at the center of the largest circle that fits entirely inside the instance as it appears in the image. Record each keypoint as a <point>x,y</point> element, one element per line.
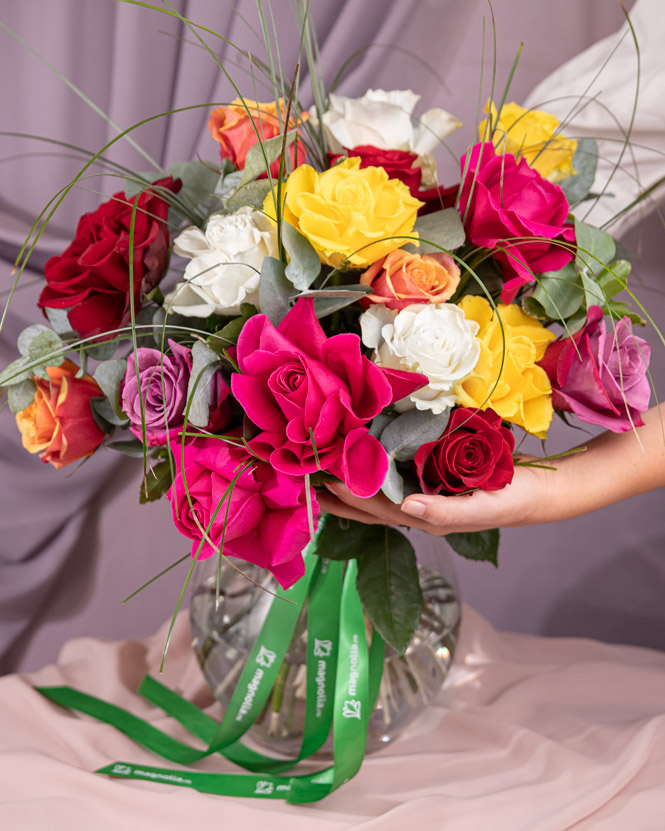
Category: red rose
<point>91,277</point>
<point>399,164</point>
<point>474,452</point>
<point>503,200</point>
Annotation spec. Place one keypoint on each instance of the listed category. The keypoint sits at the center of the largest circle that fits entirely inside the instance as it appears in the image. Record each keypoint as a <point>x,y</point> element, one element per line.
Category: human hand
<point>523,502</point>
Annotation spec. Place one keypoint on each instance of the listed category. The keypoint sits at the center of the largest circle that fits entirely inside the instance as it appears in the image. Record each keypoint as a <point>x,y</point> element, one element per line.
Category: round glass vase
<point>223,636</point>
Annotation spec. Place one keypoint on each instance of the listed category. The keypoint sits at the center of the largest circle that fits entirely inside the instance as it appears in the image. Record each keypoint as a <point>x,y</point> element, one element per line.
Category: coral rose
<point>510,381</point>
<point>59,424</point>
<point>91,277</point>
<point>400,279</point>
<point>236,130</point>
<point>350,214</point>
<point>475,452</point>
<point>267,517</point>
<point>601,377</point>
<point>508,207</point>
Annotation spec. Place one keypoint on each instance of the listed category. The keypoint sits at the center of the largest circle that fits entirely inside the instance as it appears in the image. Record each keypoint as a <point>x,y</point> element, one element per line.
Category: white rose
<point>225,264</point>
<point>434,340</point>
<point>384,120</point>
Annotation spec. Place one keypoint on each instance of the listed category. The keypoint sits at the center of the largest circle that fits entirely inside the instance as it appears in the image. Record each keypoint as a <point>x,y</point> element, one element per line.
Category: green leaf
<point>130,447</point>
<point>21,395</point>
<point>199,180</point>
<point>304,263</point>
<point>252,195</point>
<point>353,291</point>
<point>205,363</point>
<point>230,333</point>
<point>585,161</point>
<point>324,306</point>
<point>102,351</point>
<point>476,545</point>
<point>405,434</point>
<point>559,293</point>
<point>59,320</point>
<point>594,247</point>
<point>274,290</point>
<point>47,348</point>
<point>105,418</point>
<point>343,539</point>
<point>443,228</point>
<point>393,484</point>
<point>614,278</point>
<point>619,309</point>
<point>109,375</point>
<point>388,586</point>
<point>158,480</point>
<point>593,295</point>
<point>255,161</point>
<point>16,372</point>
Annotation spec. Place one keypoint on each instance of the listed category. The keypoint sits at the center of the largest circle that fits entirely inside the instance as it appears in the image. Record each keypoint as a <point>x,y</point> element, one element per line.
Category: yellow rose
<point>523,394</point>
<point>531,134</point>
<point>347,212</point>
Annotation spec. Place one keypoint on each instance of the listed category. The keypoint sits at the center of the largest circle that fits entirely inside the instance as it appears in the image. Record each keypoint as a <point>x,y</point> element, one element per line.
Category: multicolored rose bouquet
<point>316,306</point>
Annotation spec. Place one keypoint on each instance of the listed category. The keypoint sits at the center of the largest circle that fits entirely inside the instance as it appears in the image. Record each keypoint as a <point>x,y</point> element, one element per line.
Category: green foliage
<point>393,484</point>
<point>443,228</point>
<point>476,545</point>
<point>304,264</point>
<point>577,187</point>
<point>21,395</point>
<point>388,586</point>
<point>157,481</point>
<point>262,152</point>
<point>275,290</point>
<point>205,362</point>
<point>595,248</point>
<point>230,332</point>
<point>109,375</point>
<point>405,434</point>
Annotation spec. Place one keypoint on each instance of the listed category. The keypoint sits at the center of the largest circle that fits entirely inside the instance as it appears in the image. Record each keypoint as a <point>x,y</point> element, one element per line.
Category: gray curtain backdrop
<point>74,543</point>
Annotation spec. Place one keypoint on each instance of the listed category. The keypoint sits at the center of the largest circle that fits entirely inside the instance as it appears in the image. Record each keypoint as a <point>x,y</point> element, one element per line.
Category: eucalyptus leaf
<point>585,161</point>
<point>270,149</point>
<point>158,480</point>
<point>388,586</point>
<point>476,545</point>
<point>29,334</point>
<point>559,293</point>
<point>17,372</point>
<point>304,264</point>
<point>109,375</point>
<point>274,290</point>
<point>393,484</point>
<point>595,248</point>
<point>251,195</point>
<point>593,293</point>
<point>20,396</point>
<point>105,418</point>
<point>140,181</point>
<point>614,278</point>
<point>353,291</point>
<point>59,320</point>
<point>46,348</point>
<point>403,436</point>
<point>324,306</point>
<point>199,180</point>
<point>379,424</point>
<point>205,363</point>
<point>443,228</point>
<point>103,351</point>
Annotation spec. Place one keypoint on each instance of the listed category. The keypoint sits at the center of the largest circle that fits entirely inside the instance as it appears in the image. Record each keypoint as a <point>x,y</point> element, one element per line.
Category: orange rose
<point>400,279</point>
<point>59,424</point>
<point>236,132</point>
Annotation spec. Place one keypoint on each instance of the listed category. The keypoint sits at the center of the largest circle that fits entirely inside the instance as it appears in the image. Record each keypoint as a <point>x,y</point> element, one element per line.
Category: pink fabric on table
<point>528,734</point>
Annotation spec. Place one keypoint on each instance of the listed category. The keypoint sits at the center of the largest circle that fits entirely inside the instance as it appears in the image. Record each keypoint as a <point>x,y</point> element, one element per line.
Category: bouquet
<point>315,306</point>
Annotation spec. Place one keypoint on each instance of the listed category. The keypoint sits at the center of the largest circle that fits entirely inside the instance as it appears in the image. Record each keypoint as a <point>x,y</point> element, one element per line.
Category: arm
<point>614,466</point>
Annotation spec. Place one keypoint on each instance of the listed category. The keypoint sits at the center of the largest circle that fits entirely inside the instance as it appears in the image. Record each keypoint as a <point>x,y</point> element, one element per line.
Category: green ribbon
<point>342,684</point>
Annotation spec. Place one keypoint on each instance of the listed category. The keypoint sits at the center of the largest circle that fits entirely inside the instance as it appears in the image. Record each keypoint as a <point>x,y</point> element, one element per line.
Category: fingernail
<point>414,508</point>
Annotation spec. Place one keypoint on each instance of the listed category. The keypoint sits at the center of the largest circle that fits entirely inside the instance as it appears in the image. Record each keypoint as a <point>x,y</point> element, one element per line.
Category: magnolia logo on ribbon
<point>351,708</point>
<point>322,649</point>
<point>264,787</point>
<point>266,657</point>
<point>125,770</point>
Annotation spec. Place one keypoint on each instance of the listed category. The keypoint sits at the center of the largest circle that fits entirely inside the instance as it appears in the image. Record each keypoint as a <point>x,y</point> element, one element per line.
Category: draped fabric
<point>73,546</point>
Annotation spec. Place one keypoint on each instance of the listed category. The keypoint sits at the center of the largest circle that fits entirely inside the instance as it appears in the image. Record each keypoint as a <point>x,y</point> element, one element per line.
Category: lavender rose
<point>164,379</point>
<point>600,376</point>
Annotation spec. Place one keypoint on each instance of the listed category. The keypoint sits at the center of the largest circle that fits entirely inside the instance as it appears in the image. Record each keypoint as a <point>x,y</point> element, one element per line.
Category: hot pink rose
<point>502,200</point>
<point>267,522</point>
<point>600,376</point>
<point>313,396</point>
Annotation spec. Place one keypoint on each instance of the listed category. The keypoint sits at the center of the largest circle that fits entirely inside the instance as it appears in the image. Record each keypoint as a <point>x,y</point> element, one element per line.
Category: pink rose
<point>313,397</point>
<point>267,522</point>
<point>600,376</point>
<point>502,200</point>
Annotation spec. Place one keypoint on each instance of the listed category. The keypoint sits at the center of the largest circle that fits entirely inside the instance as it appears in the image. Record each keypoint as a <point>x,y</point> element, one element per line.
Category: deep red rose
<point>400,164</point>
<point>502,200</point>
<point>474,452</point>
<point>91,277</point>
